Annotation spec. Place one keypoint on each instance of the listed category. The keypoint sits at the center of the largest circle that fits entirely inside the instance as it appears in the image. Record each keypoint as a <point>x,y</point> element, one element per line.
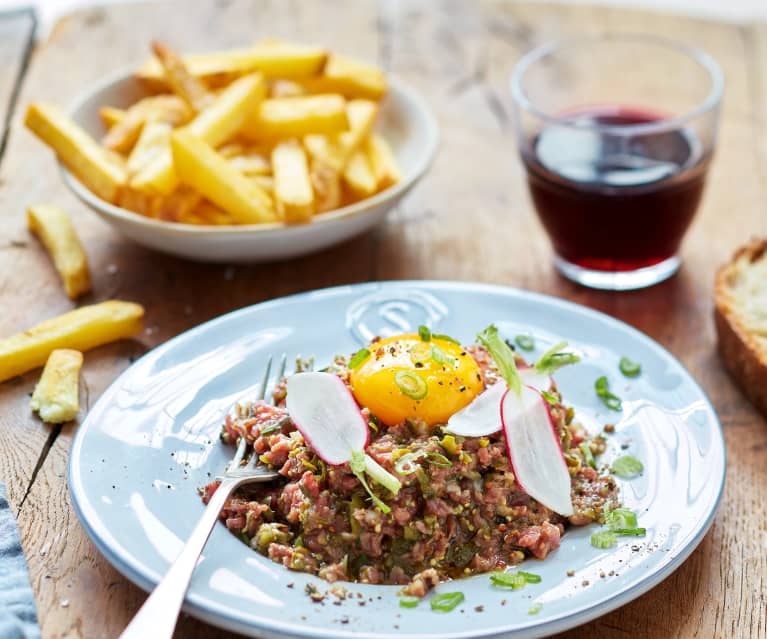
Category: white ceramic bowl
<point>405,121</point>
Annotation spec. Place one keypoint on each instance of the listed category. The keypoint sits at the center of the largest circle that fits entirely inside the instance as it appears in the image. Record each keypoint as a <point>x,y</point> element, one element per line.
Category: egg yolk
<point>407,378</point>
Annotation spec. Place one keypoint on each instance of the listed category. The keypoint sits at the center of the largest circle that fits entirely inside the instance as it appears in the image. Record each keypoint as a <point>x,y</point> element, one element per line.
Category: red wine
<point>611,202</point>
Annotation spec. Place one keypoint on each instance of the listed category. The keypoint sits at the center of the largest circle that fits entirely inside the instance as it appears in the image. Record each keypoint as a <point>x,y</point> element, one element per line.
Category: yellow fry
<point>82,329</point>
<point>198,165</point>
<point>382,162</point>
<point>79,152</point>
<point>214,125</point>
<point>185,85</point>
<point>111,115</point>
<point>358,175</point>
<point>251,163</point>
<point>154,138</point>
<point>327,187</point>
<point>55,230</point>
<point>274,60</point>
<point>165,108</point>
<point>285,89</point>
<point>292,187</point>
<point>291,117</point>
<point>56,396</point>
<point>351,78</point>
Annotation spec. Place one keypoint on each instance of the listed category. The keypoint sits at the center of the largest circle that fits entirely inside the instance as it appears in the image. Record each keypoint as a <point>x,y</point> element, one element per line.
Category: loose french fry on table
<point>81,329</point>
<point>111,115</point>
<point>154,138</point>
<point>295,117</point>
<point>163,108</point>
<point>55,230</point>
<point>382,162</point>
<point>180,80</point>
<point>273,59</point>
<point>358,175</point>
<point>198,165</point>
<point>214,125</point>
<point>56,396</point>
<point>334,150</point>
<point>327,186</point>
<point>79,152</point>
<point>293,191</point>
<point>349,77</point>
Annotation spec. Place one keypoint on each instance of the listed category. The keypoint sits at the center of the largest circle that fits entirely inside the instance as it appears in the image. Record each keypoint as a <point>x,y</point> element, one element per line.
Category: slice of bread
<point>740,296</point>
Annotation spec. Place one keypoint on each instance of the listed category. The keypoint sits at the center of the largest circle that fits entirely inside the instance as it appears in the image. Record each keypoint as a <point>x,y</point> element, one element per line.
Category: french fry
<point>327,187</point>
<point>266,182</point>
<point>55,230</point>
<point>382,162</point>
<point>285,89</point>
<point>79,152</point>
<point>81,329</point>
<point>292,187</point>
<point>165,108</point>
<point>185,85</point>
<point>214,125</point>
<point>56,396</point>
<point>274,60</point>
<point>198,165</point>
<point>349,77</point>
<point>176,205</point>
<point>154,138</point>
<point>295,117</point>
<point>358,175</point>
<point>251,163</point>
<point>206,214</point>
<point>334,151</point>
<point>111,115</point>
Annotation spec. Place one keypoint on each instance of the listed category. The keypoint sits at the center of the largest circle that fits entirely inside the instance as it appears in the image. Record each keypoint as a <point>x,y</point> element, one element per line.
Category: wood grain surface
<point>470,219</point>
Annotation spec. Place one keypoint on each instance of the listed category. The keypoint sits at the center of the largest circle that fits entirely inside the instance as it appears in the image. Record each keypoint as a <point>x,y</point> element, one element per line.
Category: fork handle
<point>157,617</point>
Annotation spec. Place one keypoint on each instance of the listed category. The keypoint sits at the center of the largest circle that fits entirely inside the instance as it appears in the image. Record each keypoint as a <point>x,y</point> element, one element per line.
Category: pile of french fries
<point>277,132</point>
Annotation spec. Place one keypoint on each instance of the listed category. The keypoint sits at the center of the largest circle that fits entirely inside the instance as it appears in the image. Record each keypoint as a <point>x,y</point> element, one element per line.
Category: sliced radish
<point>532,377</point>
<point>535,451</point>
<point>482,416</point>
<point>325,413</point>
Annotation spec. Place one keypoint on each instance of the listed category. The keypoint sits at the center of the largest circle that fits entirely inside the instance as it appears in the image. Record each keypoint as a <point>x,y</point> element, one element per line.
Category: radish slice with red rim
<point>532,377</point>
<point>535,451</point>
<point>325,413</point>
<point>482,416</point>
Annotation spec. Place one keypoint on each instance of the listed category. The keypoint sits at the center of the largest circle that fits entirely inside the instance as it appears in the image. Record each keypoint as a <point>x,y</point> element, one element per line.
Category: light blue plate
<point>152,440</point>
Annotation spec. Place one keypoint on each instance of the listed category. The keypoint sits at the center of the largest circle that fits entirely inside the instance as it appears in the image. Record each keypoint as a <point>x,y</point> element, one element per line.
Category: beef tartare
<point>460,507</point>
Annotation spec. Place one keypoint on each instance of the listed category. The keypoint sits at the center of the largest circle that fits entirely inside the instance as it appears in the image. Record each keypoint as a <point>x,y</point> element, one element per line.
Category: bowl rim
<point>106,209</point>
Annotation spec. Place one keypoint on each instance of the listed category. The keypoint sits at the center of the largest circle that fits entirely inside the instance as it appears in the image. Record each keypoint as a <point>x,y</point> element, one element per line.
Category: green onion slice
<point>627,467</point>
<point>358,465</point>
<point>438,459</point>
<point>525,342</point>
<point>424,333</point>
<point>602,388</point>
<point>535,609</point>
<point>420,353</point>
<point>441,357</point>
<point>408,602</point>
<point>550,398</point>
<point>530,577</point>
<point>446,338</point>
<point>273,428</point>
<point>411,385</point>
<point>513,580</point>
<point>446,601</point>
<point>604,539</point>
<point>620,518</point>
<point>554,359</point>
<point>503,357</point>
<point>406,464</point>
<point>358,357</point>
<point>588,456</point>
<point>630,532</point>
<point>629,368</point>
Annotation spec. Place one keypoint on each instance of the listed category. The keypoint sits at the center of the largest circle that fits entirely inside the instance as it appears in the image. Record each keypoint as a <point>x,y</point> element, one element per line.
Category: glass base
<point>618,280</point>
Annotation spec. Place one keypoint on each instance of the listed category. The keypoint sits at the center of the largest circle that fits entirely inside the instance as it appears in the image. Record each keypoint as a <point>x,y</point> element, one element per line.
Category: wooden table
<point>471,219</point>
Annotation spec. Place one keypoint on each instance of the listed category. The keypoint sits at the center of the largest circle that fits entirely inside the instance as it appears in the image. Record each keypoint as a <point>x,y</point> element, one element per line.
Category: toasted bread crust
<point>744,356</point>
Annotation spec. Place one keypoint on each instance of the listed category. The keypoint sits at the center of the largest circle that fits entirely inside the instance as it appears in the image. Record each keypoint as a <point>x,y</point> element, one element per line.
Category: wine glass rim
<point>707,62</point>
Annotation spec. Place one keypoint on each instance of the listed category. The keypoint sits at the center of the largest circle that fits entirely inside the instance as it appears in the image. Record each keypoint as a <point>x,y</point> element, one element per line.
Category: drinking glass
<point>616,133</point>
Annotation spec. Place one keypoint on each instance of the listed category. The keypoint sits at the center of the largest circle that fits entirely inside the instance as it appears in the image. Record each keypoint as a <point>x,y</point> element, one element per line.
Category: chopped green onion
<point>406,464</point>
<point>554,359</point>
<point>438,459</point>
<point>361,463</point>
<point>630,532</point>
<point>627,467</point>
<point>550,398</point>
<point>604,539</point>
<point>420,353</point>
<point>273,428</point>
<point>530,577</point>
<point>358,357</point>
<point>513,580</point>
<point>588,456</point>
<point>525,342</point>
<point>620,518</point>
<point>503,356</point>
<point>446,338</point>
<point>424,333</point>
<point>602,387</point>
<point>535,608</point>
<point>411,385</point>
<point>446,601</point>
<point>408,602</point>
<point>629,368</point>
<point>441,357</point>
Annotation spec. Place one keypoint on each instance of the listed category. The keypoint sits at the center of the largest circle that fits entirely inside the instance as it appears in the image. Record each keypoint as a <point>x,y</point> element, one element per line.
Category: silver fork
<point>157,617</point>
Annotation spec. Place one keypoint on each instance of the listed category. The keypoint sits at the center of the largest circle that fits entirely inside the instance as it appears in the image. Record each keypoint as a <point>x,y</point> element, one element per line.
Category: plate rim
<point>218,615</point>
